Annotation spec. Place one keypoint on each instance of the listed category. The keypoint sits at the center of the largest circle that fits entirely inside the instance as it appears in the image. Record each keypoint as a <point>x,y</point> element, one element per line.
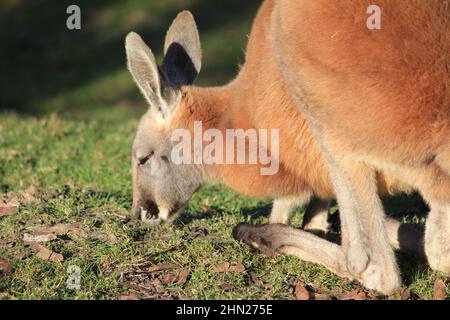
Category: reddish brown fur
<point>259,98</point>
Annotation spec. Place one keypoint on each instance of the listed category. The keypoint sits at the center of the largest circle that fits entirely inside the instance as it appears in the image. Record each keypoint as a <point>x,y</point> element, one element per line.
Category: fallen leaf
<point>301,293</point>
<point>405,294</point>
<point>10,202</point>
<point>60,229</point>
<point>162,267</point>
<point>39,237</point>
<point>5,267</point>
<point>182,276</point>
<point>160,289</point>
<point>170,278</point>
<point>237,268</point>
<point>221,267</point>
<point>131,296</point>
<point>227,267</point>
<point>11,199</point>
<point>49,255</point>
<point>44,253</point>
<point>359,295</point>
<point>439,290</point>
<point>8,210</point>
<point>156,282</point>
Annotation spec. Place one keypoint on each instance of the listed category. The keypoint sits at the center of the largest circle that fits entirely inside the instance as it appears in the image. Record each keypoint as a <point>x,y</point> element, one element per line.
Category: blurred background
<point>68,105</point>
<point>82,73</point>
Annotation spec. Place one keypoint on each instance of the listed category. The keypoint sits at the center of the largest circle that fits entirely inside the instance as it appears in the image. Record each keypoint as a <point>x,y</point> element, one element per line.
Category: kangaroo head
<point>161,188</point>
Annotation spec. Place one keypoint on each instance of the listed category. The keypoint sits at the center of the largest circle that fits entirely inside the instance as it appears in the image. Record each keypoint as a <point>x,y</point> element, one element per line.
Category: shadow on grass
<point>255,213</point>
<point>43,58</point>
<point>407,208</point>
<point>187,218</point>
<point>401,207</point>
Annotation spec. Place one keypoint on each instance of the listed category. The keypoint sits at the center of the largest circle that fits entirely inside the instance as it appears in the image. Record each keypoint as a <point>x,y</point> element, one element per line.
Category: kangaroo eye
<point>144,160</point>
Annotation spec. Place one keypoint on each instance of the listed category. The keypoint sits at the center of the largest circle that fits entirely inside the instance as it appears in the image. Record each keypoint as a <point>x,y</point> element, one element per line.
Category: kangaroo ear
<point>143,67</point>
<point>182,51</point>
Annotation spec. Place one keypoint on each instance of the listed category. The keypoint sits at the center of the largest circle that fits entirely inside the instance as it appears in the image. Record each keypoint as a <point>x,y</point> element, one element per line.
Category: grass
<point>82,172</point>
<point>68,114</point>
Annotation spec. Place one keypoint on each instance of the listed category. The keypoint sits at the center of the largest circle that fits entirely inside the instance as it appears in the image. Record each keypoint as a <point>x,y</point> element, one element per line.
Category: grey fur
<point>160,188</point>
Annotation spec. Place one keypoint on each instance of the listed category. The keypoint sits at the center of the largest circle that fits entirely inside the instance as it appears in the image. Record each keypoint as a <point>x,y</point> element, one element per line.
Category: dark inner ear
<point>178,66</point>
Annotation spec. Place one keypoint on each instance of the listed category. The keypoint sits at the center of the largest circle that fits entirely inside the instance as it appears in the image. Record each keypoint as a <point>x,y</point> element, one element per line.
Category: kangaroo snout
<point>153,214</point>
<point>148,212</point>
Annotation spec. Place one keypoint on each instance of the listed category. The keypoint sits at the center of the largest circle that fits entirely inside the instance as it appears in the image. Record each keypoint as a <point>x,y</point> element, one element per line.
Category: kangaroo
<point>258,98</point>
<point>294,186</point>
<point>374,100</point>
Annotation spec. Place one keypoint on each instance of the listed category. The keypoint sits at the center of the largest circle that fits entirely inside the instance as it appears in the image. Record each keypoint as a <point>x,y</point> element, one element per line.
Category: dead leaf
<point>10,202</point>
<point>162,267</point>
<point>49,233</point>
<point>8,210</point>
<point>160,289</point>
<point>5,267</point>
<point>405,294</point>
<point>10,199</point>
<point>158,286</point>
<point>237,268</point>
<point>301,293</point>
<point>359,295</point>
<point>179,278</point>
<point>227,267</point>
<point>156,282</point>
<point>170,278</point>
<point>131,296</point>
<point>39,237</point>
<point>221,267</point>
<point>44,253</point>
<point>439,290</point>
<point>49,255</point>
<point>182,276</point>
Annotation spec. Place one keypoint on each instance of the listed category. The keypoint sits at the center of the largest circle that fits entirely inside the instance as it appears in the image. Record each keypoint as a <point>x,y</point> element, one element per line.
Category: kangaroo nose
<point>148,213</point>
<point>145,214</point>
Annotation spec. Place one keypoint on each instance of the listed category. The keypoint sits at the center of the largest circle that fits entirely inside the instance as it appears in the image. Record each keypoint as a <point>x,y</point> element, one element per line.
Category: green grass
<point>85,165</point>
<point>68,114</point>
